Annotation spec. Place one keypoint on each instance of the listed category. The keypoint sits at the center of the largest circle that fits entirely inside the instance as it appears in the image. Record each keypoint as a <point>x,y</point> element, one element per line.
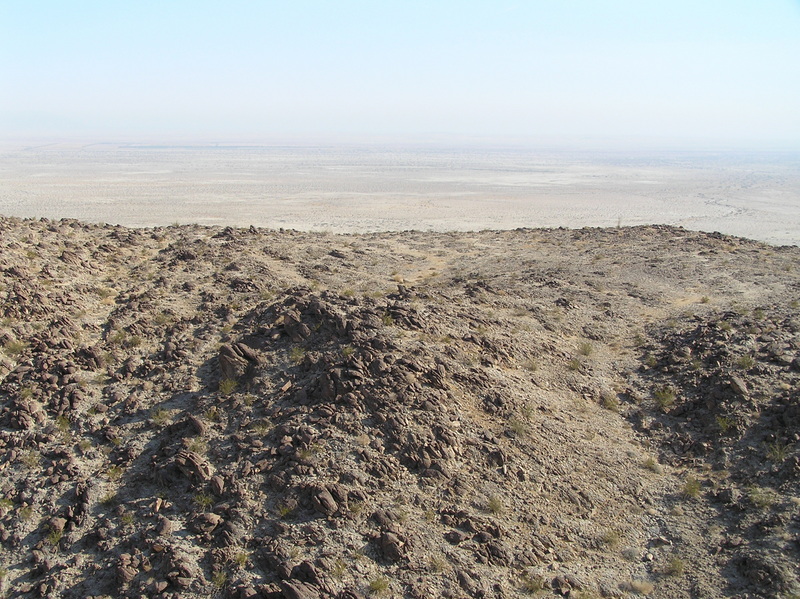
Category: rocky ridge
<point>191,411</point>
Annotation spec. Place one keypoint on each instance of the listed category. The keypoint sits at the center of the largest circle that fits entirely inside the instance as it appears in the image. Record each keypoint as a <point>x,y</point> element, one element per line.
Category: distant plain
<point>367,188</point>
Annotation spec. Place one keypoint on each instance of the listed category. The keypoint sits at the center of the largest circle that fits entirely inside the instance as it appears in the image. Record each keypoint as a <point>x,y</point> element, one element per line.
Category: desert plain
<point>370,188</point>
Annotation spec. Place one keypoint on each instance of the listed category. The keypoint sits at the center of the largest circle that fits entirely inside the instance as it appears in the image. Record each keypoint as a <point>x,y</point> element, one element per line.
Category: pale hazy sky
<point>720,71</point>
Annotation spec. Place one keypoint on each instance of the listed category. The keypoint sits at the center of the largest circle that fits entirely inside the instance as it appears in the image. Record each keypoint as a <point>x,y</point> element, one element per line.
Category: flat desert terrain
<point>358,189</point>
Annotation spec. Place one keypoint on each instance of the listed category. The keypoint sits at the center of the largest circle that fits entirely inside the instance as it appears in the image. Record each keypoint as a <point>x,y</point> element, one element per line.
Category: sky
<point>685,71</point>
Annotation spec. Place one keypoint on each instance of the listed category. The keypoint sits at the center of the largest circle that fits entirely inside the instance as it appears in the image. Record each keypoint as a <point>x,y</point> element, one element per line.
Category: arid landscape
<point>374,188</point>
<point>192,411</point>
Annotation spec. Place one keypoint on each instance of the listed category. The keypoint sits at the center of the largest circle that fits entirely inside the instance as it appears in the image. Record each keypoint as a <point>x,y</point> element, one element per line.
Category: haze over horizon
<point>688,74</point>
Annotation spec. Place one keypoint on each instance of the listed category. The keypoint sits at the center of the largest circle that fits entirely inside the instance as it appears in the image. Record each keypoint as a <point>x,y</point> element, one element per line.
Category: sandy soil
<point>372,188</point>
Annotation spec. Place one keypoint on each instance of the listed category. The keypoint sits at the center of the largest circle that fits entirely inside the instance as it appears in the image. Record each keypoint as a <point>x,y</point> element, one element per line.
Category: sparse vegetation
<point>745,362</point>
<point>198,445</point>
<point>725,424</point>
<point>665,398</point>
<point>611,539</point>
<point>761,497</point>
<point>691,488</point>
<point>517,427</point>
<point>378,586</point>
<point>54,537</point>
<point>297,354</point>
<point>530,365</point>
<point>495,505</point>
<point>203,501</point>
<point>14,348</point>
<point>531,585</point>
<point>777,452</point>
<point>641,587</point>
<point>227,386</point>
<point>241,559</point>
<point>114,473</point>
<point>585,349</point>
<point>675,566</point>
<point>651,464</point>
<point>159,416</point>
<point>219,578</point>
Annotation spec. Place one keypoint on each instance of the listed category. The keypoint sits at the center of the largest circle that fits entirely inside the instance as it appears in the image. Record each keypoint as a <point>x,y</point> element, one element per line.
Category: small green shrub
<point>62,423</point>
<point>114,473</point>
<point>14,348</point>
<point>227,386</point>
<point>31,459</point>
<point>495,505</point>
<point>777,452</point>
<point>674,566</point>
<point>532,585</point>
<point>198,446</point>
<point>610,402</point>
<point>691,488</point>
<point>611,539</point>
<point>665,398</point>
<point>517,426</point>
<point>218,579</point>
<point>585,349</point>
<point>378,586</point>
<point>725,423</point>
<point>761,497</point>
<point>54,537</point>
<point>574,364</point>
<point>241,559</point>
<point>297,354</point>
<point>203,501</point>
<point>438,564</point>
<point>745,362</point>
<point>651,464</point>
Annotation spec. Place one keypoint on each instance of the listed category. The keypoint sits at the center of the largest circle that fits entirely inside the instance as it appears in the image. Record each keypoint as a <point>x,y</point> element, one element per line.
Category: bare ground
<point>191,411</point>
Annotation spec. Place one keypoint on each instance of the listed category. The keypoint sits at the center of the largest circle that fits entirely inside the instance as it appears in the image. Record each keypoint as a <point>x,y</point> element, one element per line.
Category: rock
<point>323,502</point>
<point>205,523</point>
<point>237,361</point>
<point>217,485</point>
<point>454,537</point>
<point>738,385</point>
<point>193,466</point>
<point>293,589</point>
<point>56,524</point>
<point>391,546</point>
<point>126,574</point>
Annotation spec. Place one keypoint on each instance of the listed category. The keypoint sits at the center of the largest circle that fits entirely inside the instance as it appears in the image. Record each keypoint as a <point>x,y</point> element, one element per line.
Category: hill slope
<point>190,411</point>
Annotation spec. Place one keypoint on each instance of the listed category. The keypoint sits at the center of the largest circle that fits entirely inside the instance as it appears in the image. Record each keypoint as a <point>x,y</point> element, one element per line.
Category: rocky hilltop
<point>191,412</point>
